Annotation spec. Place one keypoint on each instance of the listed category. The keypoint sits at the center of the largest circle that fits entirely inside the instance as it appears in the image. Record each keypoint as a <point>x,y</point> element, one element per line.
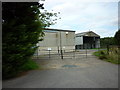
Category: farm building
<point>87,40</point>
<point>56,40</point>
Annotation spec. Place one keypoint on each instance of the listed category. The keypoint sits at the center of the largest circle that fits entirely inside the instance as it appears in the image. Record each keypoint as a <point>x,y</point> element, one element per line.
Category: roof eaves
<point>59,30</point>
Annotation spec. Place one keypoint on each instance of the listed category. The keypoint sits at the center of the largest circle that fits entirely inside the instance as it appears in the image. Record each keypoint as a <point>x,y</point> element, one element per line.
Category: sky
<point>100,16</point>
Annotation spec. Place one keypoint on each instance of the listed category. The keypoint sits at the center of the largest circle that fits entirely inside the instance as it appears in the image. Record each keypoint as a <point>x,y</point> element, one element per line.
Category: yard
<point>71,72</point>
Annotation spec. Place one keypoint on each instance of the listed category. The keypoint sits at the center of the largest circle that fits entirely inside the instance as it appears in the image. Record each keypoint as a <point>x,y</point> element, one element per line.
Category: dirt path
<point>80,60</point>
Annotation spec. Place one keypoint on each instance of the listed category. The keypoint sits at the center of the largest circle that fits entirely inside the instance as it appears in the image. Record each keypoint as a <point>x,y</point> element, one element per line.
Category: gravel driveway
<point>71,72</point>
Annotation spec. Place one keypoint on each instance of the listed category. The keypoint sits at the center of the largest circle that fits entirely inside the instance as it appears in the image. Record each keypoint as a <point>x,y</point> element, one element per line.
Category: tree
<point>107,41</point>
<point>117,37</point>
<point>22,26</point>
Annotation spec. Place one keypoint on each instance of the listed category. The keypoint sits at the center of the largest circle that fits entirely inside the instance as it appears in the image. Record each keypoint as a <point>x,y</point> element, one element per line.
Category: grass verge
<point>23,70</point>
<point>111,57</point>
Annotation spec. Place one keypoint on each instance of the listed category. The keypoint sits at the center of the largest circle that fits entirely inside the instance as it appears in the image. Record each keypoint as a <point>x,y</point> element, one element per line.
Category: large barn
<point>87,40</point>
<point>56,40</point>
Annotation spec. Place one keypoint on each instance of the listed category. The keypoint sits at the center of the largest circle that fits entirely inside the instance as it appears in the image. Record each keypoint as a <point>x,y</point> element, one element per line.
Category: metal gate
<point>72,54</point>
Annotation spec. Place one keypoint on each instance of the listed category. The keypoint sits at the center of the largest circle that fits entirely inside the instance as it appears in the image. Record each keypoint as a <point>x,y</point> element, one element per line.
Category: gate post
<point>49,53</point>
<point>118,54</point>
<point>74,53</point>
<point>61,54</point>
<point>86,50</point>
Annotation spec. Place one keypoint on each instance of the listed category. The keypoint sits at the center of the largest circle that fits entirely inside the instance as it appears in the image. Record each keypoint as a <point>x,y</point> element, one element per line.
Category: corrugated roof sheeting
<point>89,33</point>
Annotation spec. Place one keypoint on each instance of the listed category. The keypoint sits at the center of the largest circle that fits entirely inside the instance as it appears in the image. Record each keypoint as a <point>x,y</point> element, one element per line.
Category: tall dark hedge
<point>22,24</point>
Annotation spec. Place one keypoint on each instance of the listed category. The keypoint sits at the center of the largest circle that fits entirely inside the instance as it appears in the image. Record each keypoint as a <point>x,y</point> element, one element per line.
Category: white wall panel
<point>79,40</point>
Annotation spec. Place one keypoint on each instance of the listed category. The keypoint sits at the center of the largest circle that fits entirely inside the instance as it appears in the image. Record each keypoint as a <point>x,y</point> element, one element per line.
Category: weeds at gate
<point>110,56</point>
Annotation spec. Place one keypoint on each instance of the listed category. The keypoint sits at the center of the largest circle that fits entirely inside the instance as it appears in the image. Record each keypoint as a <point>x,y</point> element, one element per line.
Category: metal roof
<point>49,29</point>
<point>88,33</point>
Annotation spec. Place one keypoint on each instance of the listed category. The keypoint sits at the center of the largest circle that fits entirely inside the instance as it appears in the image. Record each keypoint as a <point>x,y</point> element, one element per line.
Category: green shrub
<point>11,71</point>
<point>102,55</point>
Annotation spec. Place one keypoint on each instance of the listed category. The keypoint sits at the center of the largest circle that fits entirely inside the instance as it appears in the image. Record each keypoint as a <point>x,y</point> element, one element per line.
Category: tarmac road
<point>88,73</point>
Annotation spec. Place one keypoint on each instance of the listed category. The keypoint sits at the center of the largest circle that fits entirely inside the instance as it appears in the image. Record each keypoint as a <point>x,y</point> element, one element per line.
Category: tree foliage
<point>111,40</point>
<point>117,37</point>
<point>23,23</point>
<point>107,41</point>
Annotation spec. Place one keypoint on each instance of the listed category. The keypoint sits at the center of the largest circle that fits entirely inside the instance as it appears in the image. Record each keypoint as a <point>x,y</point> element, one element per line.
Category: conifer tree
<point>22,24</point>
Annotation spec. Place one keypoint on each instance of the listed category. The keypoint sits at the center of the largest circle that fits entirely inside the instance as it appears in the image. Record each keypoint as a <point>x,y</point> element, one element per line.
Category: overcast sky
<point>100,17</point>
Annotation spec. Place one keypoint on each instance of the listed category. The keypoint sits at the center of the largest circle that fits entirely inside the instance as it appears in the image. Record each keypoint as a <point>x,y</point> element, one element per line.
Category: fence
<point>55,53</point>
<point>63,54</point>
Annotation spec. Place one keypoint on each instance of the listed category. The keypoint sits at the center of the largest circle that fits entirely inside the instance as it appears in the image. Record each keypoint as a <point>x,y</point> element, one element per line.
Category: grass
<point>30,65</point>
<point>111,57</point>
<point>97,48</point>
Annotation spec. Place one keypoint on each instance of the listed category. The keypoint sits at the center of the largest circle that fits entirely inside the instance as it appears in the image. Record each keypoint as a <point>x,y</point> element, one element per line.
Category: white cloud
<point>82,15</point>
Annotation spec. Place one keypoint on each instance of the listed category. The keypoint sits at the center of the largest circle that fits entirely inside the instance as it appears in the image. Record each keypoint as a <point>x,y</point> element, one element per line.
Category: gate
<point>54,54</point>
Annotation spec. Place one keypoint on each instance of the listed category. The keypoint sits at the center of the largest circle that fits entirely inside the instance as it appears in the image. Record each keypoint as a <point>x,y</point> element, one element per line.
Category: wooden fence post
<point>108,49</point>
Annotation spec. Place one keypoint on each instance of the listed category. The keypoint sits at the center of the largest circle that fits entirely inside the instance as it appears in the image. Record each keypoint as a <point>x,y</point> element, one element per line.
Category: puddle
<point>69,66</point>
